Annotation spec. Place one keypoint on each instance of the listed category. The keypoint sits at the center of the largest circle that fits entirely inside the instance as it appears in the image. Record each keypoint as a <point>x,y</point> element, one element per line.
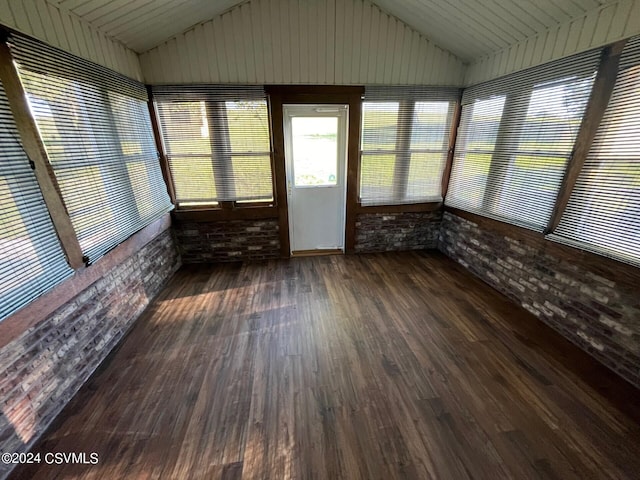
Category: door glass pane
<point>315,150</point>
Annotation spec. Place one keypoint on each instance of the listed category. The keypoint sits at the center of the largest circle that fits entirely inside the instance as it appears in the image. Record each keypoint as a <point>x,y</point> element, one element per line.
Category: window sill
<point>237,212</point>
<point>400,208</point>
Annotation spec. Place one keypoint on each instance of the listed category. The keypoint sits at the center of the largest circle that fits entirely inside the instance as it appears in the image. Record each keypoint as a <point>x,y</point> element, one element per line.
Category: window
<point>31,259</point>
<point>476,142</point>
<point>515,138</point>
<point>404,144</point>
<point>603,212</point>
<point>315,151</point>
<point>96,128</point>
<point>217,142</point>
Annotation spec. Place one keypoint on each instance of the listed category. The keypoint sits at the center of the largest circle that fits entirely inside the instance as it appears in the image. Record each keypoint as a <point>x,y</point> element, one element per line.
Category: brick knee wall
<point>227,241</point>
<point>594,312</point>
<point>45,366</point>
<point>240,240</point>
<point>383,232</point>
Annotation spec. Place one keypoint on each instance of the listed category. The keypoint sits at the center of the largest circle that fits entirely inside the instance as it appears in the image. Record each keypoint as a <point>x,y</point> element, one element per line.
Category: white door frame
<point>341,112</point>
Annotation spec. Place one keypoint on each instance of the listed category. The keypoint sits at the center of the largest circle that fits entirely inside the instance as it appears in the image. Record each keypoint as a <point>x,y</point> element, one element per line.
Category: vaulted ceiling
<point>473,28</point>
<point>467,28</point>
<point>143,24</point>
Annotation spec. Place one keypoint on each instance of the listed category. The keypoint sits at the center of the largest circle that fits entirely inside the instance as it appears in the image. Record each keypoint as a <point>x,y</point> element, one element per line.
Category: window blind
<point>217,141</point>
<point>31,259</point>
<point>603,212</point>
<point>515,137</point>
<point>404,143</point>
<point>96,128</point>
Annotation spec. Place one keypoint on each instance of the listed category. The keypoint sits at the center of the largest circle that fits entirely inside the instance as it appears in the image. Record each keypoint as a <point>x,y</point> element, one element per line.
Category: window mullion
<point>451,145</point>
<point>601,91</point>
<point>160,147</point>
<point>403,147</point>
<point>220,150</point>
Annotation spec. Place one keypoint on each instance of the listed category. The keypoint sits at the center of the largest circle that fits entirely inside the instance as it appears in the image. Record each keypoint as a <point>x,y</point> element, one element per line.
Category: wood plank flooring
<point>346,367</point>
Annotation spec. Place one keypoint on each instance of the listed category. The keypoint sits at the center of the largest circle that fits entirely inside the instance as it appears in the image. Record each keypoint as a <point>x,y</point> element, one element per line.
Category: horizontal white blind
<point>97,131</point>
<point>404,143</point>
<point>515,137</point>
<point>217,141</point>
<point>31,259</point>
<point>603,213</point>
<point>381,93</point>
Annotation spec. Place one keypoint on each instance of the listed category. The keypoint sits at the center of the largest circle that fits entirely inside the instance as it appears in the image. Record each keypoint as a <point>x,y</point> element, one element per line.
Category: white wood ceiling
<point>467,28</point>
<point>473,28</point>
<point>143,24</point>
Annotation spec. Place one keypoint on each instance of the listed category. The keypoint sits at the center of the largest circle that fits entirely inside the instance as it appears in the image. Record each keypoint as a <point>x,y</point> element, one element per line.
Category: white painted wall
<point>598,27</point>
<point>302,42</point>
<point>64,30</point>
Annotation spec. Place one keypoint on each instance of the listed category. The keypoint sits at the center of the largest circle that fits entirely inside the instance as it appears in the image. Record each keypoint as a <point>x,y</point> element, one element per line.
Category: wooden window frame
<point>497,196</point>
<point>403,153</point>
<point>601,92</point>
<point>221,209</point>
<point>37,153</point>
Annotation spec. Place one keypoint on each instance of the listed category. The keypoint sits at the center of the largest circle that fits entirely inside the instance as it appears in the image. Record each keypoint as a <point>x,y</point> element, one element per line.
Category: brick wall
<point>382,232</point>
<point>45,366</point>
<point>592,310</point>
<point>228,240</point>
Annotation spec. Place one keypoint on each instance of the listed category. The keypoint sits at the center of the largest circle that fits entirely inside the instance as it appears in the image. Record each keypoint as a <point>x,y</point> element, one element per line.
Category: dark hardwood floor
<point>346,367</point>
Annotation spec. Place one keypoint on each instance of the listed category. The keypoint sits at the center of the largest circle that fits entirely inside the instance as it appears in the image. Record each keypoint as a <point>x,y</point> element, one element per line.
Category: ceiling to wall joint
<point>469,29</point>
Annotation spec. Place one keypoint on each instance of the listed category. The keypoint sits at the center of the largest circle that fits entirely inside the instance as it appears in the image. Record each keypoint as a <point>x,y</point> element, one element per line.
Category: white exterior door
<point>315,153</point>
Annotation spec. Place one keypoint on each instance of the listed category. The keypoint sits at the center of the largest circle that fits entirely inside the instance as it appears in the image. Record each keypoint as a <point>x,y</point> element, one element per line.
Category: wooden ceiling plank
<point>521,10</point>
<point>174,24</point>
<point>70,5</point>
<point>556,10</point>
<point>131,27</point>
<point>125,11</point>
<point>571,9</point>
<point>582,6</point>
<point>503,15</point>
<point>85,7</point>
<point>480,9</point>
<point>403,12</point>
<point>162,23</point>
<point>459,18</point>
<point>437,32</point>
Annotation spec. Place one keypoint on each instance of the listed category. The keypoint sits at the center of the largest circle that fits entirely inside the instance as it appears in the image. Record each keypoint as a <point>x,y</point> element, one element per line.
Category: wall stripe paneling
<point>302,42</point>
<point>64,30</point>
<point>605,24</point>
